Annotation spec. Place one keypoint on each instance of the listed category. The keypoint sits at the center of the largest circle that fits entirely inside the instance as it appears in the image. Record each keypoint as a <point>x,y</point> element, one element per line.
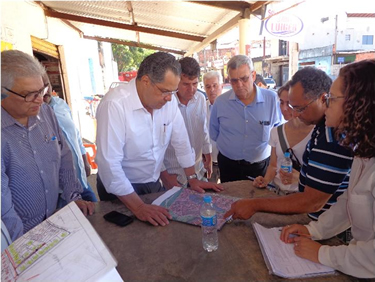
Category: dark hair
<point>315,82</point>
<point>285,87</point>
<point>358,124</point>
<point>259,78</point>
<point>156,65</point>
<point>190,67</point>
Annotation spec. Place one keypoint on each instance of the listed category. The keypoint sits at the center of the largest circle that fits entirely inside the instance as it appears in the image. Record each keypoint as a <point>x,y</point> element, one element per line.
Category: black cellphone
<point>118,218</point>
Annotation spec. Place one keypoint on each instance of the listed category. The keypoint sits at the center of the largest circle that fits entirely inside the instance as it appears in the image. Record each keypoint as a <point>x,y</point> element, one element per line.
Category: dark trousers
<point>139,188</point>
<point>233,170</point>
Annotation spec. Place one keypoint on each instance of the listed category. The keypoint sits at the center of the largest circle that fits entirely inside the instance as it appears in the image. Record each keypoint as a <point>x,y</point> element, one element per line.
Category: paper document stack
<point>281,259</point>
<point>64,247</point>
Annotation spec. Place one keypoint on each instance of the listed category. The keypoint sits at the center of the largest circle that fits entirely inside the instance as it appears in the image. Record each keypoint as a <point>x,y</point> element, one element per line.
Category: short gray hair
<point>239,60</point>
<point>212,74</point>
<point>16,64</point>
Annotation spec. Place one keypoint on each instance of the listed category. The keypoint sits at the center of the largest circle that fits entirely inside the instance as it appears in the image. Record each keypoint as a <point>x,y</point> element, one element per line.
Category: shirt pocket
<point>166,133</point>
<point>266,130</point>
<point>361,209</point>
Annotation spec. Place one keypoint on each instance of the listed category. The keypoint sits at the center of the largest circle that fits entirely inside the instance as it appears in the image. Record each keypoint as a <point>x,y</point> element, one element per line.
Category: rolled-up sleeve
<point>111,134</point>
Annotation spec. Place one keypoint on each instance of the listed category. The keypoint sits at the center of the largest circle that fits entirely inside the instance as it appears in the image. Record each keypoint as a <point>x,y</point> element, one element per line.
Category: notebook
<point>281,259</point>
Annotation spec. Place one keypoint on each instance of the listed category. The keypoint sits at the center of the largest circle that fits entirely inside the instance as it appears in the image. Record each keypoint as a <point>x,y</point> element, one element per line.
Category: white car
<point>271,84</point>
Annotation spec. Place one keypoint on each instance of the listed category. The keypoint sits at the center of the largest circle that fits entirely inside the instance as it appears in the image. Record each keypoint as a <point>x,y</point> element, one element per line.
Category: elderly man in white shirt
<point>135,125</point>
<point>213,85</point>
<point>192,105</point>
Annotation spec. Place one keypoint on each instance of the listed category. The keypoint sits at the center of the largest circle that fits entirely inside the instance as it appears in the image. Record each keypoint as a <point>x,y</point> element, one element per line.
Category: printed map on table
<point>65,247</point>
<point>184,205</point>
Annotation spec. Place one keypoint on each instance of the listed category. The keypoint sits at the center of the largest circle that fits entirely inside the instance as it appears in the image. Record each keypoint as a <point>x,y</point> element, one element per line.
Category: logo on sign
<point>284,25</point>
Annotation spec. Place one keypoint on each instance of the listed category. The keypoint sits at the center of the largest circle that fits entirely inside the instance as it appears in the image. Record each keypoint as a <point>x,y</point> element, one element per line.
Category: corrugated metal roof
<point>178,26</point>
<point>360,15</point>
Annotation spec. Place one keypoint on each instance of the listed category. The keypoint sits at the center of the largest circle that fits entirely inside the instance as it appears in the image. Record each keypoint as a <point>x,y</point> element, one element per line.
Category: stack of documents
<point>64,247</point>
<point>281,259</point>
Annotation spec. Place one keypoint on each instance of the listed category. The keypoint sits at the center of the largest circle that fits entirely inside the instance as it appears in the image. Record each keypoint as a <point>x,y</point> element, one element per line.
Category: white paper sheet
<point>64,247</point>
<point>281,259</point>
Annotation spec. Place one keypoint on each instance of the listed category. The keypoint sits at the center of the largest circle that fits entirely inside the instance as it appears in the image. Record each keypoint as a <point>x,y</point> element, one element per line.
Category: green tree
<point>129,58</point>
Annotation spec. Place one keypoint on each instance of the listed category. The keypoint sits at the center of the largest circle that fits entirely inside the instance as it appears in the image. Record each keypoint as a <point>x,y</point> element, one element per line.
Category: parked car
<point>271,84</point>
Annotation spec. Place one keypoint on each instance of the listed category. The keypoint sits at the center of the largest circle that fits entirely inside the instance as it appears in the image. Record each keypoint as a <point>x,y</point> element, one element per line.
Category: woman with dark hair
<point>351,111</point>
<point>295,135</point>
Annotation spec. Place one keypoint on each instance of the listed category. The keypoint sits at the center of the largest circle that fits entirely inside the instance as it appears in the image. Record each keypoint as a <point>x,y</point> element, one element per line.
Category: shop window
<point>367,39</point>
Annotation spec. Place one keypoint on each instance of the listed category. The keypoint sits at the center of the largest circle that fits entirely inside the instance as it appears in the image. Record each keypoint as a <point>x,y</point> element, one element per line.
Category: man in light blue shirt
<point>74,140</point>
<point>241,121</point>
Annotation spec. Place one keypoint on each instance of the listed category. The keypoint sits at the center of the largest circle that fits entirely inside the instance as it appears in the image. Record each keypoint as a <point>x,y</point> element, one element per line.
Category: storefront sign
<point>284,25</point>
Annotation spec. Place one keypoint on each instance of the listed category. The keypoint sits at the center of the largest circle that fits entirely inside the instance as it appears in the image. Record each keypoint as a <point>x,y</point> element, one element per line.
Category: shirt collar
<point>7,120</point>
<point>192,100</point>
<point>259,96</point>
<point>136,101</point>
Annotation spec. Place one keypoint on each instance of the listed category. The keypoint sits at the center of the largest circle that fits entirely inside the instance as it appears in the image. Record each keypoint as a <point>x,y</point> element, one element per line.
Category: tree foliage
<point>129,58</point>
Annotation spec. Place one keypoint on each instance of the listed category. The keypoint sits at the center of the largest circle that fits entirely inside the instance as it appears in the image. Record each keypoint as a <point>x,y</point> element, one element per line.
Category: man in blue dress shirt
<point>74,140</point>
<point>35,158</point>
<point>241,121</point>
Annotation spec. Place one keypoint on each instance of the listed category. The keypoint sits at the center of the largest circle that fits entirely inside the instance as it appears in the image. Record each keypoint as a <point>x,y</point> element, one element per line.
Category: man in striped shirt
<point>192,105</point>
<point>35,159</point>
<point>326,165</point>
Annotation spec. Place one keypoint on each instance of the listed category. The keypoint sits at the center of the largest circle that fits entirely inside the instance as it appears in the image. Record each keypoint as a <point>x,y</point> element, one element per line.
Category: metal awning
<point>181,27</point>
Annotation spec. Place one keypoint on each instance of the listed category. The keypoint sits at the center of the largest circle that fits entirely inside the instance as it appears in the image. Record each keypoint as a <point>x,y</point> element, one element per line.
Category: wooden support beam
<point>134,44</point>
<point>54,14</point>
<point>216,34</point>
<point>228,5</point>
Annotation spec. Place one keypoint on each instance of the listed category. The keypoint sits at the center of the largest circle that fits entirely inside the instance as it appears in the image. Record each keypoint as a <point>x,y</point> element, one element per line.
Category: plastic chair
<point>91,154</point>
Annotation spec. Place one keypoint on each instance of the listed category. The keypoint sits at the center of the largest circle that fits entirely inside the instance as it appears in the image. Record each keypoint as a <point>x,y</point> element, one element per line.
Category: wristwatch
<point>193,176</point>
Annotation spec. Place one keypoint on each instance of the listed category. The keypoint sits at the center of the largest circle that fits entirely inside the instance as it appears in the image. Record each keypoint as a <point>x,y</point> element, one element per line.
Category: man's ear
<point>322,98</point>
<point>254,74</point>
<point>146,80</point>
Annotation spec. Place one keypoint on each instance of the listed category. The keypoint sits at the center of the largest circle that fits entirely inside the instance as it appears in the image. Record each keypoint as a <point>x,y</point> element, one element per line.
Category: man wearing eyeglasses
<point>35,159</point>
<point>241,121</point>
<point>192,105</point>
<point>326,165</point>
<point>136,123</point>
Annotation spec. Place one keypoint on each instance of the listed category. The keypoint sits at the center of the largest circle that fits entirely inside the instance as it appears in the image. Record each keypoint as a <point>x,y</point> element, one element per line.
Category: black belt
<point>215,163</point>
<point>246,163</point>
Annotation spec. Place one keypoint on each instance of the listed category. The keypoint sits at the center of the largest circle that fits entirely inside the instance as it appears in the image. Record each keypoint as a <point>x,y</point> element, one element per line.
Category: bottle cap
<point>207,199</point>
<point>287,154</point>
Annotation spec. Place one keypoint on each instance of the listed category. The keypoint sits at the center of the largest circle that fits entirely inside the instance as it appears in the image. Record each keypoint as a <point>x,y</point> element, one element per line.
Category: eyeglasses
<point>165,93</point>
<point>302,109</point>
<point>242,79</point>
<point>32,96</point>
<point>329,97</point>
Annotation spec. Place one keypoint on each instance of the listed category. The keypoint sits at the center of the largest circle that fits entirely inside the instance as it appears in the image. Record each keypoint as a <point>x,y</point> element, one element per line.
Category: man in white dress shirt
<point>213,85</point>
<point>135,125</point>
<point>192,105</point>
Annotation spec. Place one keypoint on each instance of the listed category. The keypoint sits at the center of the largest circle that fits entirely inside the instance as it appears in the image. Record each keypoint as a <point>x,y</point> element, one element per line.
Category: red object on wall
<point>127,75</point>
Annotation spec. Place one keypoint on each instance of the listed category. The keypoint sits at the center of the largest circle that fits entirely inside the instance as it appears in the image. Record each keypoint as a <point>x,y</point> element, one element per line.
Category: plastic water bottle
<point>287,166</point>
<point>209,232</point>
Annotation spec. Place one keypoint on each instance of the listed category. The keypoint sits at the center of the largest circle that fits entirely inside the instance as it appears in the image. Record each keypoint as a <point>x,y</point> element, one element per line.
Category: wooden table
<point>175,252</point>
